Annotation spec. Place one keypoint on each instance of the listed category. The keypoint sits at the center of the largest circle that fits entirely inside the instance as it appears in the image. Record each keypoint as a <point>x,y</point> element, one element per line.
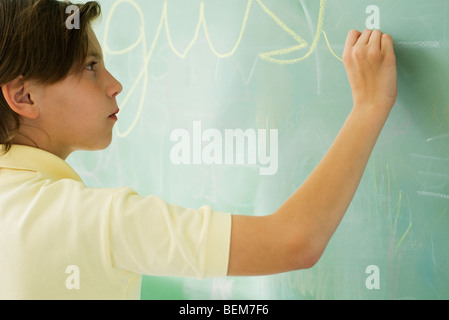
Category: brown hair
<point>36,43</point>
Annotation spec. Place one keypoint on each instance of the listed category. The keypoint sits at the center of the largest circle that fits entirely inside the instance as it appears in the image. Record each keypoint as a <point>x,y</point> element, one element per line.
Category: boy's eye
<point>91,65</point>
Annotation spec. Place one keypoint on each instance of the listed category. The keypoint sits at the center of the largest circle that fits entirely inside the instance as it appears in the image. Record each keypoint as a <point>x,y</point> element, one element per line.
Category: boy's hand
<point>371,68</point>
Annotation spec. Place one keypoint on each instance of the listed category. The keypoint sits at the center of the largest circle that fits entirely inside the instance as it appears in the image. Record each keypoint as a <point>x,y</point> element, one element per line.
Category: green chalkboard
<point>270,72</point>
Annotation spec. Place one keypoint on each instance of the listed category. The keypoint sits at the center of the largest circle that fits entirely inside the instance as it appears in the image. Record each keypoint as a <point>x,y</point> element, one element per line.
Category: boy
<point>57,97</point>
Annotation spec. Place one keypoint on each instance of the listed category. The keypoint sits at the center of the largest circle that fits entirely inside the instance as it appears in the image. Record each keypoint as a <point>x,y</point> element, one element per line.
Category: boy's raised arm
<point>295,236</point>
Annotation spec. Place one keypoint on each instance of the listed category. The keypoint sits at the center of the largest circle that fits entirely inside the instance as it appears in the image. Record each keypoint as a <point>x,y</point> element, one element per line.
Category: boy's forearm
<point>295,236</point>
<point>318,206</point>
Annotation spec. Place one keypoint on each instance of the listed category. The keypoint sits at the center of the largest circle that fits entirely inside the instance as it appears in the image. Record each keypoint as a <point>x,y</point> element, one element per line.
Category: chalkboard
<point>233,103</point>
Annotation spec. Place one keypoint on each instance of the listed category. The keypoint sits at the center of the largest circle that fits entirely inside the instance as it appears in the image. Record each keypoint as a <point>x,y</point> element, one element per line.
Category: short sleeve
<point>149,236</point>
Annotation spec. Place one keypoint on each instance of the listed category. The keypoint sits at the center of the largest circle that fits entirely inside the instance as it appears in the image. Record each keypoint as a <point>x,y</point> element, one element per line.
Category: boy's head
<point>53,80</point>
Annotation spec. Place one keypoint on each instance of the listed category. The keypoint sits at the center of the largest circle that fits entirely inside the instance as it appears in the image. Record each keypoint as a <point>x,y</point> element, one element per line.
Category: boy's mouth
<point>114,115</point>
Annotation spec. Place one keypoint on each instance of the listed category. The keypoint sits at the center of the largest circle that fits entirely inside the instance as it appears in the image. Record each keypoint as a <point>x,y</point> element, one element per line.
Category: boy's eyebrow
<point>95,54</point>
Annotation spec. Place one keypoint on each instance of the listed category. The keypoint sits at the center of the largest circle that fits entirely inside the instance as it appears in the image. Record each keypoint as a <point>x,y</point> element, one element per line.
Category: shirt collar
<point>33,159</point>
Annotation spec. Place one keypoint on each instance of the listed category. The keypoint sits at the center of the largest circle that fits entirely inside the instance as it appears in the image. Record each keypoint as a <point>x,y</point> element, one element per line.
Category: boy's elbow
<point>312,258</point>
<point>303,252</point>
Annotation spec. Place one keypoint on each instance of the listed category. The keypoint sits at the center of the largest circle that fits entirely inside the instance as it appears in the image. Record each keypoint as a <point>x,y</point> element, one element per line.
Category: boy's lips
<point>114,115</point>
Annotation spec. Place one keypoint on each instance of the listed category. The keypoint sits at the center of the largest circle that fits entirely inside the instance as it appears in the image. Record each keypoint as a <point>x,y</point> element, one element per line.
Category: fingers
<point>365,37</point>
<point>368,37</point>
<point>358,38</point>
<point>375,39</point>
<point>352,38</point>
<point>387,43</point>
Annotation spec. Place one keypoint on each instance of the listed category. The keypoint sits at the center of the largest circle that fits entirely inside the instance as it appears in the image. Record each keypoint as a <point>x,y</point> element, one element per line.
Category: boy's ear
<point>19,98</point>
